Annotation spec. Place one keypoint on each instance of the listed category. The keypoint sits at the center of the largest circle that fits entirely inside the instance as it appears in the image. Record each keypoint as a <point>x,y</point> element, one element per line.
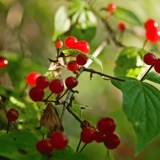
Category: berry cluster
<point>150,59</point>
<point>152,31</point>
<point>103,133</point>
<point>3,62</point>
<point>57,141</point>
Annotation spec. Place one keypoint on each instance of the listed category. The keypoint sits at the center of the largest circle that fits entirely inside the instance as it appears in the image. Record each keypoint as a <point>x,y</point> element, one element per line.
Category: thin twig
<point>146,72</point>
<point>83,147</point>
<point>79,143</point>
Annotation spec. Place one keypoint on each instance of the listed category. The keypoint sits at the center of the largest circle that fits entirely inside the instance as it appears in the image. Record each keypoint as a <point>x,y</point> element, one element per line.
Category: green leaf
<point>60,154</point>
<point>76,156</point>
<point>61,23</point>
<point>19,145</point>
<point>75,52</point>
<point>153,76</point>
<point>141,105</point>
<point>127,16</point>
<point>129,62</point>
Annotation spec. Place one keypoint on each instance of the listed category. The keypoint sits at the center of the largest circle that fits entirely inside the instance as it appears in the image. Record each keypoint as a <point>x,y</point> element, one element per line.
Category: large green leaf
<point>129,62</point>
<point>61,23</point>
<point>76,156</point>
<point>19,145</point>
<point>141,105</point>
<point>153,76</point>
<point>127,16</point>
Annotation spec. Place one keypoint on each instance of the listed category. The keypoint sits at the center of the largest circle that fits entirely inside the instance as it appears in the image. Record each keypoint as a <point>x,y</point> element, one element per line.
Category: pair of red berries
<point>3,62</point>
<point>56,86</point>
<point>106,127</point>
<point>57,141</point>
<point>150,59</point>
<point>152,31</point>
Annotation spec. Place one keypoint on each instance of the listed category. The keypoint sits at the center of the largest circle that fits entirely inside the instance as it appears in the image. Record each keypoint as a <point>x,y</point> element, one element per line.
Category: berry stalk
<point>146,72</point>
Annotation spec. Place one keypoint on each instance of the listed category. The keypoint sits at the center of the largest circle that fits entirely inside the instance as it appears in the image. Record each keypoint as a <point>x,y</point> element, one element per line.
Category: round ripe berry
<point>150,23</point>
<point>157,65</point>
<point>111,7</point>
<point>81,59</point>
<point>3,62</point>
<point>85,122</point>
<point>42,82</point>
<point>152,35</point>
<point>31,78</point>
<point>149,59</point>
<point>87,134</point>
<point>121,26</point>
<point>70,42</point>
<point>56,86</point>
<point>71,82</point>
<point>72,65</point>
<point>36,94</point>
<point>44,147</point>
<point>59,140</point>
<point>82,46</point>
<point>59,44</point>
<point>98,137</point>
<point>12,114</point>
<point>111,141</point>
<point>106,125</point>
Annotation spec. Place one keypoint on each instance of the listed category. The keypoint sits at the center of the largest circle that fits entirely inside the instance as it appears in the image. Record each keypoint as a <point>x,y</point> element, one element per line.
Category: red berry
<point>56,86</point>
<point>42,82</point>
<point>36,94</point>
<point>111,141</point>
<point>87,134</point>
<point>70,42</point>
<point>81,59</point>
<point>111,7</point>
<point>121,26</point>
<point>59,140</point>
<point>149,58</point>
<point>85,122</point>
<point>71,82</point>
<point>72,65</point>
<point>153,35</point>
<point>82,46</point>
<point>157,65</point>
<point>44,147</point>
<point>150,23</point>
<point>31,78</point>
<point>106,125</point>
<point>12,114</point>
<point>59,44</point>
<point>3,62</point>
<point>98,137</point>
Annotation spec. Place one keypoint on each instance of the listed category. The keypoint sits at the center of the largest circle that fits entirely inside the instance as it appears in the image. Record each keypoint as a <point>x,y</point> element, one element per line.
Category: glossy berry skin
<point>85,122</point>
<point>153,35</point>
<point>111,7</point>
<point>44,147</point>
<point>87,135</point>
<point>121,26</point>
<point>72,65</point>
<point>59,140</point>
<point>150,24</point>
<point>157,66</point>
<point>36,94</point>
<point>70,42</point>
<point>3,62</point>
<point>98,137</point>
<point>31,78</point>
<point>111,141</point>
<point>56,86</point>
<point>71,82</point>
<point>12,114</point>
<point>81,59</point>
<point>83,46</point>
<point>59,44</point>
<point>42,82</point>
<point>106,125</point>
<point>149,59</point>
